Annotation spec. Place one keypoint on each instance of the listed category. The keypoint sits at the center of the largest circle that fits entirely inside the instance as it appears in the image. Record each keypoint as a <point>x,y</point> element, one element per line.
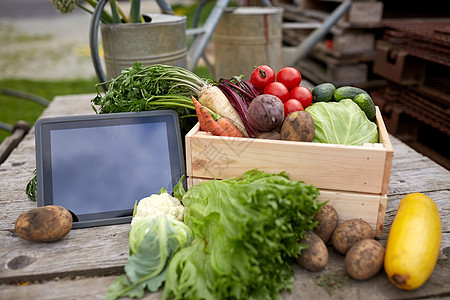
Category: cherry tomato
<point>302,94</point>
<point>292,105</point>
<point>277,89</point>
<point>289,76</point>
<point>262,76</point>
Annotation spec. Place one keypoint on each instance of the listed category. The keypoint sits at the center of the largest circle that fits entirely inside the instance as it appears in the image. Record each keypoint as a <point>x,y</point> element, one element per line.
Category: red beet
<point>266,112</point>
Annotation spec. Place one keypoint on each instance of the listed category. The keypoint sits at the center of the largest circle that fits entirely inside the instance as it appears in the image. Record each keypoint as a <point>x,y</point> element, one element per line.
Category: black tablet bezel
<point>43,155</point>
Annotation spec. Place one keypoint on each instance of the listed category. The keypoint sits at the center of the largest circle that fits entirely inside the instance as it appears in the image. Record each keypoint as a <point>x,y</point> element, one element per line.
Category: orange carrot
<point>214,99</point>
<point>207,122</point>
<point>229,127</point>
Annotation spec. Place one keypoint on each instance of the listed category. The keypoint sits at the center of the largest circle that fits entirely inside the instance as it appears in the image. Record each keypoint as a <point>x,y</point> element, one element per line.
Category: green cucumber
<point>323,92</point>
<point>347,92</point>
<point>366,104</point>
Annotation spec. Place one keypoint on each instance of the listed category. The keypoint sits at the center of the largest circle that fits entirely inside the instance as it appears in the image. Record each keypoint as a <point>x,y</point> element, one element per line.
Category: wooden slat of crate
<point>345,43</point>
<point>369,207</point>
<point>363,169</point>
<point>339,74</point>
<point>350,43</point>
<point>360,12</point>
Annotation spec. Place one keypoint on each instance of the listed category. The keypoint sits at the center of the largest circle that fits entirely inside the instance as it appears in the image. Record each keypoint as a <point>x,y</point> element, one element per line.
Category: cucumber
<point>347,92</point>
<point>366,104</point>
<point>323,92</point>
<point>359,96</point>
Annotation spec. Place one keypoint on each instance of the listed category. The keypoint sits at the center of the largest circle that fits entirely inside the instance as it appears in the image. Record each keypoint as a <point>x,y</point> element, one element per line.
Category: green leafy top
<point>117,15</point>
<point>153,87</point>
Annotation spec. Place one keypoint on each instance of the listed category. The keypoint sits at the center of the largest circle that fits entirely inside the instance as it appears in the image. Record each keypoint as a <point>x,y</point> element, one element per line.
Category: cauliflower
<point>155,205</point>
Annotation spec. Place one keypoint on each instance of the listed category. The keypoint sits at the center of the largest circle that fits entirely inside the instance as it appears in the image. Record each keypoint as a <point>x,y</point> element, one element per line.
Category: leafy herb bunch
<point>117,15</point>
<point>154,87</point>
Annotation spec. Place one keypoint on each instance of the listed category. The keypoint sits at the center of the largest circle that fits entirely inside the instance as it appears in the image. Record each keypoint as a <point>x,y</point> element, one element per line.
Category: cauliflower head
<point>155,205</point>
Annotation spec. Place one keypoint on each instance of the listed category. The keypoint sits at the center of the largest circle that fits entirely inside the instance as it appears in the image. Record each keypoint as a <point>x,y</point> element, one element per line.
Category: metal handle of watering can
<point>93,41</point>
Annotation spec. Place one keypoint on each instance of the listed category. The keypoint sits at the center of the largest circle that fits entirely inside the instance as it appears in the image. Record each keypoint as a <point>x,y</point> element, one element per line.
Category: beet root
<point>266,112</point>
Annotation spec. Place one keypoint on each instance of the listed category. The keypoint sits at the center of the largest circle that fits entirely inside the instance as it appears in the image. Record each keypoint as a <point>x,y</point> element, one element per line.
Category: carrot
<point>229,127</point>
<point>213,98</point>
<point>207,122</point>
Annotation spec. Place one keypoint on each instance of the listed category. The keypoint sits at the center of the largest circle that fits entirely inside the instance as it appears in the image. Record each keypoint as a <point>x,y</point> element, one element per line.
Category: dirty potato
<point>298,126</point>
<point>364,259</point>
<point>269,135</point>
<point>44,224</point>
<point>349,233</point>
<point>315,257</point>
<point>328,220</point>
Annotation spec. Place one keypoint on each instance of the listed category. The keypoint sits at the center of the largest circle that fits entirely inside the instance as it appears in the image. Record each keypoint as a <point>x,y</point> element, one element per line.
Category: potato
<point>269,135</point>
<point>315,257</point>
<point>298,126</point>
<point>364,259</point>
<point>44,224</point>
<point>328,220</point>
<point>349,233</point>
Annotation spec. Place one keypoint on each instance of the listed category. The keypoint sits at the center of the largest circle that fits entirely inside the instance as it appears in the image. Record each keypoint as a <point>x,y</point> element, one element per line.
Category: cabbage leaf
<point>153,242</point>
<point>246,237</point>
<point>342,122</point>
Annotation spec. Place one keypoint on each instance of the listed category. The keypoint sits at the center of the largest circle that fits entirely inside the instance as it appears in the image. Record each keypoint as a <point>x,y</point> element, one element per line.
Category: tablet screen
<point>97,168</point>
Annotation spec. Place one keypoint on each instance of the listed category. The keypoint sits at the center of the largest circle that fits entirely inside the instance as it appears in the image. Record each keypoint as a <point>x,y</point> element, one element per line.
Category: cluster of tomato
<point>285,85</point>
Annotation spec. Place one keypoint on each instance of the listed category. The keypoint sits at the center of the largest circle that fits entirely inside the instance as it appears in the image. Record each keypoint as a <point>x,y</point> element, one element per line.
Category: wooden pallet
<point>320,67</point>
<point>360,12</point>
<point>398,65</point>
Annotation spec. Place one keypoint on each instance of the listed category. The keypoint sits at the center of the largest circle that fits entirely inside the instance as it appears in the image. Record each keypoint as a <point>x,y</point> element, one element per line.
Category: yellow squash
<point>413,243</point>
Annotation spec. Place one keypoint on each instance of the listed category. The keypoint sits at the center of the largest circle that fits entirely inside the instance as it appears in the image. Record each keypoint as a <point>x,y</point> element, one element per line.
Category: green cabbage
<point>342,122</point>
<point>246,237</point>
<point>153,242</point>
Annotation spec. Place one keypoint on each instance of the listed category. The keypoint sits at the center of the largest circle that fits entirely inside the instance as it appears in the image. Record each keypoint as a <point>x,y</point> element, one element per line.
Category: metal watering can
<point>201,34</point>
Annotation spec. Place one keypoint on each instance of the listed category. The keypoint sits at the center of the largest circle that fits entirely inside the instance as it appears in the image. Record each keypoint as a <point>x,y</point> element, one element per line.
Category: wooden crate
<point>354,179</point>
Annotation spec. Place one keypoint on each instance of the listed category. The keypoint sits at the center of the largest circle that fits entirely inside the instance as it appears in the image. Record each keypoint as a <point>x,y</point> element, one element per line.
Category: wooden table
<point>84,263</point>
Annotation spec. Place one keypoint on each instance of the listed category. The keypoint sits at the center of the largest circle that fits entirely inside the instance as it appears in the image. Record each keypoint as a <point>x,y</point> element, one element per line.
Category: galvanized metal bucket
<point>161,40</point>
<point>246,37</point>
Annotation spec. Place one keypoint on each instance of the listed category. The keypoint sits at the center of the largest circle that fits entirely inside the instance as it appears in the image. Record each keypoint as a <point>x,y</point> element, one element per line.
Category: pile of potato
<point>353,238</point>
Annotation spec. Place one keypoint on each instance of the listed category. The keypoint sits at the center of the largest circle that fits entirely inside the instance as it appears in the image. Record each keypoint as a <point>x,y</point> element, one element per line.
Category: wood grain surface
<point>84,263</point>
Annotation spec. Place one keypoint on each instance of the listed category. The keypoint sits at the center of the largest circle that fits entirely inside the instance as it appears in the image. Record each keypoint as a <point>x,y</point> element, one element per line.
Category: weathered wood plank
<point>17,170</point>
<point>66,288</point>
<point>87,252</point>
<point>334,283</point>
<point>85,262</point>
<point>331,283</point>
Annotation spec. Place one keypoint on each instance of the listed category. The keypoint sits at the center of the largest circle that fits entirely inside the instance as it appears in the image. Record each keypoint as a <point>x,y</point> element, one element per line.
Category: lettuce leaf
<point>246,237</point>
<point>342,122</point>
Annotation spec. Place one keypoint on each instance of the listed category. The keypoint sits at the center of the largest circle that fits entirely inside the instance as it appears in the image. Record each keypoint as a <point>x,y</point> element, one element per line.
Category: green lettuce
<point>342,122</point>
<point>246,237</point>
<point>153,242</point>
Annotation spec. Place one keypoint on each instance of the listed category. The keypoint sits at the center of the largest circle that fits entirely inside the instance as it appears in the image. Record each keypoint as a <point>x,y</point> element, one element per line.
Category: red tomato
<point>277,89</point>
<point>302,94</point>
<point>292,105</point>
<point>290,77</point>
<point>262,76</point>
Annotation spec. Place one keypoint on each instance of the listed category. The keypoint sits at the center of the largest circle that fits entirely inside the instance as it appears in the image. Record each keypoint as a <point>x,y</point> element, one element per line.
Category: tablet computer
<point>98,166</point>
